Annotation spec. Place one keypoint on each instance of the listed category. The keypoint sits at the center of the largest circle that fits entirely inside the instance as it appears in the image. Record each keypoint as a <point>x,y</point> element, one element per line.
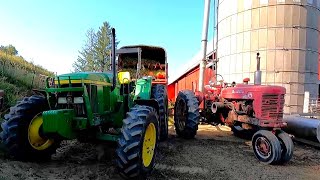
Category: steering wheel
<point>220,80</point>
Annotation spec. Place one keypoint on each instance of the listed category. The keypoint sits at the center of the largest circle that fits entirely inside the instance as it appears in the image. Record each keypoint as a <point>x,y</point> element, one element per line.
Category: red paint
<point>267,100</point>
<point>248,104</point>
<point>190,80</point>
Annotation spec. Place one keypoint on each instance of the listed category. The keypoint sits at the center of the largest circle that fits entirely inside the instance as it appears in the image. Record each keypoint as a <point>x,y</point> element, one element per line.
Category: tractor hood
<point>87,77</point>
<point>243,91</point>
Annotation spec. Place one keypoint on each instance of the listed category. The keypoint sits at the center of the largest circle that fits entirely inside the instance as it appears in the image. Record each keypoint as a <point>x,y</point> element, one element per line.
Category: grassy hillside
<point>18,77</point>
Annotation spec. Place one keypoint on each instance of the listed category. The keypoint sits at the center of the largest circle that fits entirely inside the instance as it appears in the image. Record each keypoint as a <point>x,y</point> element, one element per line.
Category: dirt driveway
<point>214,154</point>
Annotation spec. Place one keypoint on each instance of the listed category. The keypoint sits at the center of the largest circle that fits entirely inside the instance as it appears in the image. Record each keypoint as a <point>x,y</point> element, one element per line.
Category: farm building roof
<point>195,61</point>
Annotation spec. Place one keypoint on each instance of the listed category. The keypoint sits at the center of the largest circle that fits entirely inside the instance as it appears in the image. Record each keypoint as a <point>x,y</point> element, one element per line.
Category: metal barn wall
<point>189,80</point>
<point>284,32</point>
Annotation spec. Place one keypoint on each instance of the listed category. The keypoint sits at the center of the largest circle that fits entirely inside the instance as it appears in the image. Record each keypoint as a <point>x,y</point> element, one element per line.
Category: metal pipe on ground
<point>303,127</point>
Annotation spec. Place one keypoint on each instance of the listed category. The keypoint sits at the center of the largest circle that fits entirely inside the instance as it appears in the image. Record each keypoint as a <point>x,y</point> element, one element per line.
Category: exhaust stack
<point>204,44</point>
<point>257,73</point>
<point>113,55</point>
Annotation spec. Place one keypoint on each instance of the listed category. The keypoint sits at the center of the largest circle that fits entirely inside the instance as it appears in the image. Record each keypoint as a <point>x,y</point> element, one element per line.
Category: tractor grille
<point>79,109</point>
<point>272,106</point>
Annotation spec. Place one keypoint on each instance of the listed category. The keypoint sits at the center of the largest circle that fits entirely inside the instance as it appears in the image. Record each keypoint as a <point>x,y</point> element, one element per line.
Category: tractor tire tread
<point>130,142</point>
<point>193,115</point>
<point>15,127</point>
<point>287,147</point>
<point>275,145</point>
<point>159,93</point>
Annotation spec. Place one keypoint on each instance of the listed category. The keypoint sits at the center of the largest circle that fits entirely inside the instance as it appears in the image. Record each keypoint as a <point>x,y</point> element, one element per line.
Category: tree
<point>96,53</point>
<point>9,50</point>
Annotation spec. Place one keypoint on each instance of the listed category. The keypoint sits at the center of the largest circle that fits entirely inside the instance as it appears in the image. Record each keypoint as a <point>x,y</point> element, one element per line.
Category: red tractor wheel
<point>266,147</point>
<point>286,147</point>
<point>186,114</point>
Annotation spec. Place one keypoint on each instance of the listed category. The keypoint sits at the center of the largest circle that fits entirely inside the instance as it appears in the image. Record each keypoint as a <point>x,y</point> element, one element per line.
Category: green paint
<point>93,76</point>
<point>59,122</point>
<point>107,137</point>
<point>101,105</point>
<point>88,106</point>
<point>67,89</point>
<point>80,122</point>
<point>143,88</point>
<point>118,116</point>
<point>101,100</point>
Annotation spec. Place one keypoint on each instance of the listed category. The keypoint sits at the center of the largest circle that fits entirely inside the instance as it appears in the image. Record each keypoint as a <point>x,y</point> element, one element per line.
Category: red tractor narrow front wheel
<point>266,147</point>
<point>286,147</point>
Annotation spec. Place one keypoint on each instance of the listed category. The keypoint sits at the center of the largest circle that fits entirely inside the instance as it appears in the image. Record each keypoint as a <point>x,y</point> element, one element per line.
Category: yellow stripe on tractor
<point>78,81</point>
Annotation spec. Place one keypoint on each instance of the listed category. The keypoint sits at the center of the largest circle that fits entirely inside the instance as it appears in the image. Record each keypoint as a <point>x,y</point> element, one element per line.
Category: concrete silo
<point>284,32</point>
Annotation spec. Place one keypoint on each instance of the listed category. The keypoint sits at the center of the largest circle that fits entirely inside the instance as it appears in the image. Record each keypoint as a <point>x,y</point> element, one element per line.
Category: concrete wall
<point>286,36</point>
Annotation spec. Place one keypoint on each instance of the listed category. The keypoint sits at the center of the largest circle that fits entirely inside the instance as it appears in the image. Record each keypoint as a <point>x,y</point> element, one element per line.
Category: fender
<point>143,88</point>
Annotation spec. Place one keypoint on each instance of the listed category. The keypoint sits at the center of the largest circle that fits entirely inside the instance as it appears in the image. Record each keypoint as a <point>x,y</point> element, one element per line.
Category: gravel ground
<point>213,154</point>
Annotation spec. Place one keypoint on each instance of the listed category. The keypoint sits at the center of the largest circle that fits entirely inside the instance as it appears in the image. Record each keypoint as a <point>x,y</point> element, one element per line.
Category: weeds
<point>18,77</point>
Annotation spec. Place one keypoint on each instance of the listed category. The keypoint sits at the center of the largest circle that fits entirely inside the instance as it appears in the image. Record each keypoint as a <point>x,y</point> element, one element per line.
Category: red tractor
<point>254,111</point>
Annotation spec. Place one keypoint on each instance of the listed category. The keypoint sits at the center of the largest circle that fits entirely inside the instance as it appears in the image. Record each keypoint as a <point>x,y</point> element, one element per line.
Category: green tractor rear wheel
<point>21,131</point>
<point>137,145</point>
<point>159,93</point>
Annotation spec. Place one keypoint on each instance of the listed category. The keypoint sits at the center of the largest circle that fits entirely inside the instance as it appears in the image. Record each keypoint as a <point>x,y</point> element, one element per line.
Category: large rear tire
<point>137,145</point>
<point>266,147</point>
<point>21,133</point>
<point>286,147</point>
<point>159,93</point>
<point>186,114</point>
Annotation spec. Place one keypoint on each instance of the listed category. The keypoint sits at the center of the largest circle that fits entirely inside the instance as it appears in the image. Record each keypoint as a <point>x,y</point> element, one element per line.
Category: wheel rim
<point>181,114</point>
<point>149,144</point>
<point>35,139</point>
<point>263,147</point>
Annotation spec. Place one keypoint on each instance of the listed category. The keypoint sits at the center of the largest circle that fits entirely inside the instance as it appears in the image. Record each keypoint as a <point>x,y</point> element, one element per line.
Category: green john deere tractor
<point>109,106</point>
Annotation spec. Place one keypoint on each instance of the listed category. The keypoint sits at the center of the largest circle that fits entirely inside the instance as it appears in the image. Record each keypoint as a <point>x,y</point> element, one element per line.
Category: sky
<point>51,33</point>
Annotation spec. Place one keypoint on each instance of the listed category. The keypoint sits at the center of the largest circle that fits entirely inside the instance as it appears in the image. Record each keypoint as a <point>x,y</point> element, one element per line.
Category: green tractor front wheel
<point>22,131</point>
<point>137,145</point>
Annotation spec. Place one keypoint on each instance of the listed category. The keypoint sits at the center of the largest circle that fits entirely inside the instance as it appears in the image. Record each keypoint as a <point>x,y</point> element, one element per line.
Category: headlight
<point>69,100</point>
<point>78,100</point>
<point>62,100</point>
